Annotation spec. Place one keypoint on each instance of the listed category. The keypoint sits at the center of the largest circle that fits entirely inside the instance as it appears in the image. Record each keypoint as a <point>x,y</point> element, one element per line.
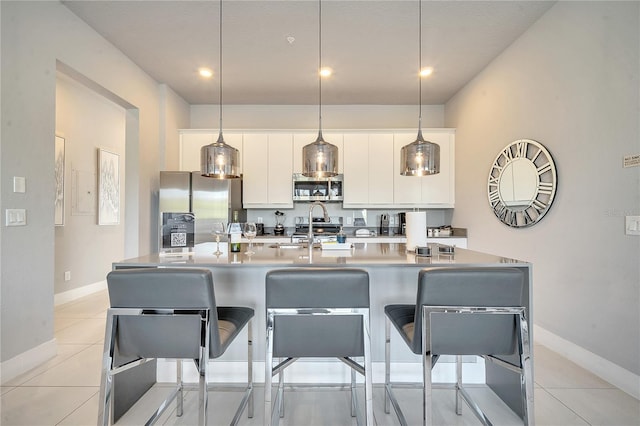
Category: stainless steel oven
<point>317,189</point>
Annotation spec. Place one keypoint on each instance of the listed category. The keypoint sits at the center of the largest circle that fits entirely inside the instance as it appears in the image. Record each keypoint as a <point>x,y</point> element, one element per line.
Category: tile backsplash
<point>365,218</point>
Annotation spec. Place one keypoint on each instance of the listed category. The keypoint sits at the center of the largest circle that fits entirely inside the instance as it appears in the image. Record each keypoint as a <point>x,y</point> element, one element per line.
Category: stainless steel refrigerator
<point>210,200</point>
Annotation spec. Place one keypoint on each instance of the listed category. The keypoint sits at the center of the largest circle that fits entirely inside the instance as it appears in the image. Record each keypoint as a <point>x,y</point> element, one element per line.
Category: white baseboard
<point>76,293</point>
<point>605,369</point>
<point>12,368</point>
<point>306,371</point>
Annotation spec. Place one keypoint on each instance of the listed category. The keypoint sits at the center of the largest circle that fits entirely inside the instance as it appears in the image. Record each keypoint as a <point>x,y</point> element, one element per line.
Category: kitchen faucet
<point>326,219</point>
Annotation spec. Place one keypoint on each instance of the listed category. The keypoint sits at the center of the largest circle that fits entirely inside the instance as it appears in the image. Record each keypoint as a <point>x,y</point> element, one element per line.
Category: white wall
<point>36,36</point>
<point>571,83</point>
<point>175,115</point>
<point>306,116</point>
<point>87,121</point>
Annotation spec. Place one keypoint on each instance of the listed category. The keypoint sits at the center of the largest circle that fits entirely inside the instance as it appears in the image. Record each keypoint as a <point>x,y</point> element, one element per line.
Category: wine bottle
<point>235,234</point>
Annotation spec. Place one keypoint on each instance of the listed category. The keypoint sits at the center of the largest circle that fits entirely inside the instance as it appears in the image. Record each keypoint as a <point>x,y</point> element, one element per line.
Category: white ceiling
<point>372,46</point>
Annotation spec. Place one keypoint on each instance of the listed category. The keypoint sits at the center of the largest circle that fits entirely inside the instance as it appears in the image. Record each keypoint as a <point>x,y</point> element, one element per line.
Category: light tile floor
<point>64,391</point>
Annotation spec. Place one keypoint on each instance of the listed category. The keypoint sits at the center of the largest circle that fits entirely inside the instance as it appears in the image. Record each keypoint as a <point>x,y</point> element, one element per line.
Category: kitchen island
<point>239,280</point>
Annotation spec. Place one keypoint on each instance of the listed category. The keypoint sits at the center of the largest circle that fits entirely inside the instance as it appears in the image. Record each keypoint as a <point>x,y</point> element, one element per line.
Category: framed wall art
<point>59,176</point>
<point>108,188</point>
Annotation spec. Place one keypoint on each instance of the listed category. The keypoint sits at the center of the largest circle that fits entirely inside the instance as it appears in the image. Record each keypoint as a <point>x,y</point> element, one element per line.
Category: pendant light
<point>219,160</point>
<point>420,157</point>
<point>320,158</point>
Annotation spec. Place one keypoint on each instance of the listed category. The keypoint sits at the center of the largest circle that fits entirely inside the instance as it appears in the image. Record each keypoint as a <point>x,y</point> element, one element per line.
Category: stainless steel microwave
<point>317,189</point>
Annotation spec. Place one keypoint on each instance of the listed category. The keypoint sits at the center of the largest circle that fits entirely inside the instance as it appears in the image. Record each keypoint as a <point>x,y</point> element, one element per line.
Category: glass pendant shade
<point>320,158</point>
<point>219,160</point>
<point>420,158</point>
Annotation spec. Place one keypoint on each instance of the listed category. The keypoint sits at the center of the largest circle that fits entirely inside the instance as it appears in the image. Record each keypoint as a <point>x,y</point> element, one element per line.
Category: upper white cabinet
<point>436,191</point>
<point>268,168</point>
<point>300,139</point>
<point>192,140</point>
<point>368,169</point>
<point>369,160</point>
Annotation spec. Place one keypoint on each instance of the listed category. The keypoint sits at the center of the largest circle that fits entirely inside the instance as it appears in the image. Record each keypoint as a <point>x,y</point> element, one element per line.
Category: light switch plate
<point>19,184</point>
<point>632,225</point>
<point>15,217</point>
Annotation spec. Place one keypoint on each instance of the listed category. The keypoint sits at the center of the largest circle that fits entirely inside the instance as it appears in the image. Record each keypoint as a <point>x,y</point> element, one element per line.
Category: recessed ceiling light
<point>205,72</point>
<point>325,72</point>
<point>426,72</point>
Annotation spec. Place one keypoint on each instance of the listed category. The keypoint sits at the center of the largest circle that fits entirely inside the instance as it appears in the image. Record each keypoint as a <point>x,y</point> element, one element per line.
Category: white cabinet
<point>192,140</point>
<point>370,162</point>
<point>300,139</point>
<point>368,170</point>
<point>268,166</point>
<point>436,191</point>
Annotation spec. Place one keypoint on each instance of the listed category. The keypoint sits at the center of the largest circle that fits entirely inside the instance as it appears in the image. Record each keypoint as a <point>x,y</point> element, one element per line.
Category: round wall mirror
<point>522,183</point>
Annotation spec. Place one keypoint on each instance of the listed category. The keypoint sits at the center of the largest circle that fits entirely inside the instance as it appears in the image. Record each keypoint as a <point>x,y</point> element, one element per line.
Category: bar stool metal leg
<point>426,374</point>
<point>106,387</point>
<point>268,371</point>
<point>526,379</point>
<point>387,362</point>
<point>353,393</point>
<point>368,372</point>
<point>458,384</point>
<point>179,400</point>
<point>281,392</point>
<point>250,367</point>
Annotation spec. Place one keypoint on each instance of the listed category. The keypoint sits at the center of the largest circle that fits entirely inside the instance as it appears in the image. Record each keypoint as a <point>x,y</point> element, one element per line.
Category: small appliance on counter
<point>384,224</point>
<point>279,228</point>
<point>402,223</point>
<point>259,228</point>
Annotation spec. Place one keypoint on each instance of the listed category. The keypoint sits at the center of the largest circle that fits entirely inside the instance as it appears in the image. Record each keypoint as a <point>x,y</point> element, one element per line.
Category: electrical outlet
<point>632,225</point>
<point>67,275</point>
<point>348,220</point>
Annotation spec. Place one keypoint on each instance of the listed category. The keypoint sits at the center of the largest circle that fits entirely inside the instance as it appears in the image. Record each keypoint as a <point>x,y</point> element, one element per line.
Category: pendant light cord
<point>420,68</point>
<point>220,138</point>
<point>319,70</point>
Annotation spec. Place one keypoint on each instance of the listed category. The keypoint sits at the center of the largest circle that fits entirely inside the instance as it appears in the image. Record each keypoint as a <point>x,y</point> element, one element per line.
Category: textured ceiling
<point>372,46</point>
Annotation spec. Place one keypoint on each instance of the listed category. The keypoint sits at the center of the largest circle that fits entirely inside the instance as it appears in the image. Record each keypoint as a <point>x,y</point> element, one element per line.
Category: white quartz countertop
<point>360,254</point>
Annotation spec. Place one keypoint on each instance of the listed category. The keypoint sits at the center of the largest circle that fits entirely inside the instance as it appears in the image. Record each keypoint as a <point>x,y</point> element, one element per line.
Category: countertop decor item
<point>446,249</point>
<point>219,160</point>
<point>420,157</point>
<point>424,251</point>
<point>522,183</point>
<point>320,158</point>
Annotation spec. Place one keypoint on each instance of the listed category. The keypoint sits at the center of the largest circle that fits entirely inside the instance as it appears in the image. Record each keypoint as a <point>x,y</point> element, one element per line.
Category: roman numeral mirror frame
<point>522,183</point>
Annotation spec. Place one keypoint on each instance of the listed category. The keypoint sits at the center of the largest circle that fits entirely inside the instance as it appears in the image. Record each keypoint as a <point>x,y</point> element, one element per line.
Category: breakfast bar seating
<point>168,313</point>
<point>317,312</point>
<point>393,272</point>
<point>464,311</point>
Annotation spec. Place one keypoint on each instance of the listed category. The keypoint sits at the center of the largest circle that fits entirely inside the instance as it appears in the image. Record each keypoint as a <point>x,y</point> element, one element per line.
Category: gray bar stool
<point>464,311</point>
<point>317,312</point>
<point>169,313</point>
